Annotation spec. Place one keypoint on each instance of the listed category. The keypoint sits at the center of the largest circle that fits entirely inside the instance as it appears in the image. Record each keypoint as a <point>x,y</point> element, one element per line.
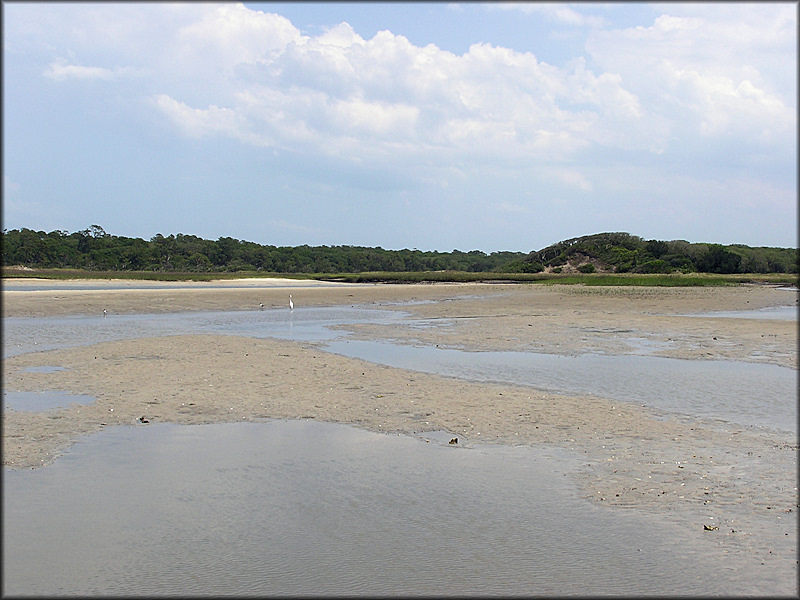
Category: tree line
<point>625,253</point>
<point>94,249</point>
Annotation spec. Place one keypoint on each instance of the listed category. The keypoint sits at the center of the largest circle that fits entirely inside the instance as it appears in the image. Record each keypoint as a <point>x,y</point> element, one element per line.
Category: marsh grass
<point>595,279</point>
<point>589,279</point>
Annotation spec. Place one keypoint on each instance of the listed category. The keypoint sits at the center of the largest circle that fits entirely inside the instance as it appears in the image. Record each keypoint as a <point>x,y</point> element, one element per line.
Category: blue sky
<point>404,125</point>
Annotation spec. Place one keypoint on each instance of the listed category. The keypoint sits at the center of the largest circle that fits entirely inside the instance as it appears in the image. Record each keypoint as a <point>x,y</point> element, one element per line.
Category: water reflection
<point>306,508</point>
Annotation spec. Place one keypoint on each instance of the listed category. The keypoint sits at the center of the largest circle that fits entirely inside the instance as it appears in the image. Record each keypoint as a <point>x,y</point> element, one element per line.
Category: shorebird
<point>104,312</point>
<point>261,305</point>
<point>291,304</point>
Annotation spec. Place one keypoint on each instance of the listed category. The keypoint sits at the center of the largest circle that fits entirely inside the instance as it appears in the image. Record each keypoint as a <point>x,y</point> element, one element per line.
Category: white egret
<point>291,304</point>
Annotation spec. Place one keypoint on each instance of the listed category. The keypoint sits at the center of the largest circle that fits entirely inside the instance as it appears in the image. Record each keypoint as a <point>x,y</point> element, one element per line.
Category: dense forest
<point>94,249</point>
<point>625,253</point>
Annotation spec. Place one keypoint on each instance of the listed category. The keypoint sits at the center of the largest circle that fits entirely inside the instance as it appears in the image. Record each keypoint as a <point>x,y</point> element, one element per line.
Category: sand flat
<point>739,480</point>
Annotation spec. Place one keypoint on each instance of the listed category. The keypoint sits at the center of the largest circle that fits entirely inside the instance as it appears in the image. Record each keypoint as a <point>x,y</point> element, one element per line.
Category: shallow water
<point>752,394</point>
<point>307,508</point>
<point>43,369</point>
<point>32,334</point>
<point>38,401</point>
<point>783,313</point>
<point>302,508</point>
<point>761,395</point>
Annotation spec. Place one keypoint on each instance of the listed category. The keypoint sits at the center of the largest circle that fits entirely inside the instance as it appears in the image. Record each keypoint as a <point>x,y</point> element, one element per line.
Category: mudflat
<point>737,484</point>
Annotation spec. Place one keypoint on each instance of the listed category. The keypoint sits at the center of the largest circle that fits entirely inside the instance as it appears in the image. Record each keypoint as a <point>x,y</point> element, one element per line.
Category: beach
<point>735,483</point>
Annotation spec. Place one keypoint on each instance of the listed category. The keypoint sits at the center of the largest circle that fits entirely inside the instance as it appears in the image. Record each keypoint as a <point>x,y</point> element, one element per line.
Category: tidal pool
<point>751,394</point>
<point>734,392</point>
<point>38,401</point>
<point>304,508</point>
<point>313,324</point>
<point>784,313</point>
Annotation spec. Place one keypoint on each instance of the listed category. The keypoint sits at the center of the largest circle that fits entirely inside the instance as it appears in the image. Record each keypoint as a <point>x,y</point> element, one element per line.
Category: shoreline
<point>633,458</point>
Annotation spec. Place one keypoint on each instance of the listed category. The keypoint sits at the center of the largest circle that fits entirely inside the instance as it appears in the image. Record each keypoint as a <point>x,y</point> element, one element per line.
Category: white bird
<point>291,304</point>
<point>261,305</point>
<point>104,312</point>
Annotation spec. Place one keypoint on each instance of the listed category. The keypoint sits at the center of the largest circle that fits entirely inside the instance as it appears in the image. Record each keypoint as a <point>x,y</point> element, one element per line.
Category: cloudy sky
<point>434,126</point>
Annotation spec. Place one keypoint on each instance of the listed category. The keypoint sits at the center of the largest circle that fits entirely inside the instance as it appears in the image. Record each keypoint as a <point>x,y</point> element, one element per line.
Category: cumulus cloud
<point>197,122</point>
<point>227,70</point>
<point>708,72</point>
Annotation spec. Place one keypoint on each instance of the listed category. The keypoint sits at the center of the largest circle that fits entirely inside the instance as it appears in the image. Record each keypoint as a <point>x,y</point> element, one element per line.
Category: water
<point>303,508</point>
<point>31,334</point>
<point>743,393</point>
<point>783,313</point>
<point>43,369</point>
<point>761,395</point>
<point>38,401</point>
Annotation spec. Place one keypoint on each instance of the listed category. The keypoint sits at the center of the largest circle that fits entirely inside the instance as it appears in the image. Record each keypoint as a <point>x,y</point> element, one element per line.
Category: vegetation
<point>94,249</point>
<point>601,259</point>
<point>595,279</point>
<point>625,253</point>
<point>658,280</point>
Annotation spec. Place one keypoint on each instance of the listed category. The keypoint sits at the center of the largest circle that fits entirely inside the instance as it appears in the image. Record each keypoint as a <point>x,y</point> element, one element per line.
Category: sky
<point>437,126</point>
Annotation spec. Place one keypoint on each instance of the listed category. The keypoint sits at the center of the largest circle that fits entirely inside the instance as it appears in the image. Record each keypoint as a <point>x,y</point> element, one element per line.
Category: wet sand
<point>694,472</point>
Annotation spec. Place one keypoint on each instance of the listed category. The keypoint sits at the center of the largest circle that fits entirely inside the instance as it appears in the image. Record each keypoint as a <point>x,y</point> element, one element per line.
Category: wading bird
<point>291,304</point>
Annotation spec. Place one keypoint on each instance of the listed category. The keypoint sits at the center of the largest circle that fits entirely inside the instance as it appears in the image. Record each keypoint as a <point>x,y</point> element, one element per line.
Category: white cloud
<point>704,70</point>
<point>342,35</point>
<point>694,71</point>
<point>230,34</point>
<point>724,107</point>
<point>61,70</point>
<point>198,123</point>
<point>368,98</point>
